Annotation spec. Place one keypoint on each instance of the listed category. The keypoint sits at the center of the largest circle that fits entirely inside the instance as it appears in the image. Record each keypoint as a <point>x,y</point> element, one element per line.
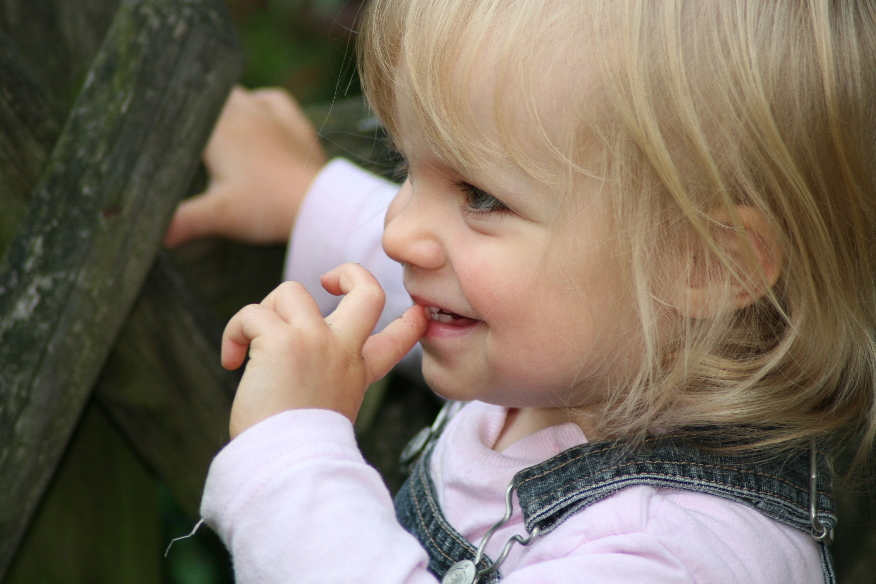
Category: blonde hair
<point>698,107</point>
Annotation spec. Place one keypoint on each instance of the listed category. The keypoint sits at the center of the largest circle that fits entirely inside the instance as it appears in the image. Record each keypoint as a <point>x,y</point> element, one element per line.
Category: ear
<point>753,257</point>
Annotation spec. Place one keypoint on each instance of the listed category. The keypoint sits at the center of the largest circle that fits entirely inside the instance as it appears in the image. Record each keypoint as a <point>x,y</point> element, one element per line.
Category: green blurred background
<point>305,46</point>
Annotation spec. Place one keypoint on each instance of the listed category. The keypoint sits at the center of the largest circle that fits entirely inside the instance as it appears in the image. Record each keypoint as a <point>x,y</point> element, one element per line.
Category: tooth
<point>439,315</point>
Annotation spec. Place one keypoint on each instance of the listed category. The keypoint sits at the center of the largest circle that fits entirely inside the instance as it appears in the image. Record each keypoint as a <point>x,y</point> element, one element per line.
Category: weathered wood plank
<point>101,488</point>
<point>171,411</point>
<point>100,521</point>
<point>164,387</point>
<point>130,146</point>
<point>29,129</point>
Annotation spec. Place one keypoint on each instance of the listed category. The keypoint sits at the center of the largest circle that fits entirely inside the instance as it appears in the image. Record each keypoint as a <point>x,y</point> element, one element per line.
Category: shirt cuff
<point>340,221</point>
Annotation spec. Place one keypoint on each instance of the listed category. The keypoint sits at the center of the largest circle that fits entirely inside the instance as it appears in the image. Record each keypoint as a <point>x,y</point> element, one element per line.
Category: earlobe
<point>746,262</point>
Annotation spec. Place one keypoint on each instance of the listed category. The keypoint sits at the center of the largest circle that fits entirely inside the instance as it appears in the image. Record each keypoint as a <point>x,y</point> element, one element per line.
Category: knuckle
<point>273,97</point>
<point>307,343</point>
<point>250,311</point>
<point>373,293</point>
<point>269,92</point>
<point>291,288</point>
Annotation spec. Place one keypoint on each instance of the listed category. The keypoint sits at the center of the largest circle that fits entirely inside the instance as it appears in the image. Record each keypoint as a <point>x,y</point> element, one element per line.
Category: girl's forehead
<point>477,80</point>
<point>524,113</point>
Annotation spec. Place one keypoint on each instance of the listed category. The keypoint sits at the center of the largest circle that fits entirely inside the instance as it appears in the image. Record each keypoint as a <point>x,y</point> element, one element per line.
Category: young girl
<point>638,239</point>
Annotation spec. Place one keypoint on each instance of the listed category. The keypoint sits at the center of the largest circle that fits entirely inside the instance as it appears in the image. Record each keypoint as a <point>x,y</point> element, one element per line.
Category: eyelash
<point>479,203</point>
<point>472,194</point>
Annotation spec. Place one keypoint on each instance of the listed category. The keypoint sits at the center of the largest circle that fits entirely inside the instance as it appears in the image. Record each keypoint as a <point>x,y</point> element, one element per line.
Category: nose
<point>410,233</point>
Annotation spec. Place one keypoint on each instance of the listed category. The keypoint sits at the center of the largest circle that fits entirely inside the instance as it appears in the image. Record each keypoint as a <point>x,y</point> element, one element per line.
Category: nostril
<point>412,232</point>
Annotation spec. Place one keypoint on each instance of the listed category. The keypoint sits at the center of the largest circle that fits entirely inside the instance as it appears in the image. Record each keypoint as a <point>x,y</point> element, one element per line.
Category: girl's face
<point>530,307</point>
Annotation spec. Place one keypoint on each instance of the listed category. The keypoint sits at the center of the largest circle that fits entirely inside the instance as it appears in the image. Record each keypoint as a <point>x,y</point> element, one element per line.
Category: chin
<point>449,388</point>
<point>453,392</point>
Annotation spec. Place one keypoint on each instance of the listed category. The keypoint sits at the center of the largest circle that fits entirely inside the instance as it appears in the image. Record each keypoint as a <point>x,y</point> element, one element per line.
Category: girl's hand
<point>298,359</point>
<point>262,157</point>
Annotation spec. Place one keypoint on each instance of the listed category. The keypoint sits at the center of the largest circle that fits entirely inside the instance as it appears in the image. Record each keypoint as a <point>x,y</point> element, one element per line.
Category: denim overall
<point>570,481</point>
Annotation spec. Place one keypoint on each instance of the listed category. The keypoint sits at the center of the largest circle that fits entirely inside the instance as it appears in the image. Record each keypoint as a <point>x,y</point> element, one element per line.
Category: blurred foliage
<point>305,46</point>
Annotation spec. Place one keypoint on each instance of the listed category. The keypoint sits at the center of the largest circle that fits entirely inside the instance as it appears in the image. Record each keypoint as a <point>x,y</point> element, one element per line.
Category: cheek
<point>491,281</point>
<point>587,306</point>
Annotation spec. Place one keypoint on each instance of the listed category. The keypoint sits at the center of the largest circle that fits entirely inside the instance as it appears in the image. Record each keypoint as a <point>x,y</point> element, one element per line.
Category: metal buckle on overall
<point>425,437</point>
<point>466,572</point>
<point>820,532</point>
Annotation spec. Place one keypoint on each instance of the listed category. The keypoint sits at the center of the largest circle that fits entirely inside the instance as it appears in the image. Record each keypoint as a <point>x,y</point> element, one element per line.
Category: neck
<point>521,422</point>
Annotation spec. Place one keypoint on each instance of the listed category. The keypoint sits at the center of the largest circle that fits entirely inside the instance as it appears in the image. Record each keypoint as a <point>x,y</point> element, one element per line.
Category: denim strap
<point>777,486</point>
<point>417,510</point>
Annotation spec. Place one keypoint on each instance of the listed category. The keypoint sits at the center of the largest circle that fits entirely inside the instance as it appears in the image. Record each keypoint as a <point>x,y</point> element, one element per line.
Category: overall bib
<point>570,481</point>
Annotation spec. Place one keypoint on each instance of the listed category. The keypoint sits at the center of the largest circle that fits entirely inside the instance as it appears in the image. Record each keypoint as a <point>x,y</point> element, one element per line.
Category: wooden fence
<point>88,188</point>
<point>109,374</point>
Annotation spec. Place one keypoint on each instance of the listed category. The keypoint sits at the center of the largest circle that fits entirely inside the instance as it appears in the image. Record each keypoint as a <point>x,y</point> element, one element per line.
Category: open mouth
<point>445,317</point>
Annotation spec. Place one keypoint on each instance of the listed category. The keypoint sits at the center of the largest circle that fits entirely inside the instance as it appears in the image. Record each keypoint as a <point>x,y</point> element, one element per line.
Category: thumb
<point>385,349</point>
<point>194,218</point>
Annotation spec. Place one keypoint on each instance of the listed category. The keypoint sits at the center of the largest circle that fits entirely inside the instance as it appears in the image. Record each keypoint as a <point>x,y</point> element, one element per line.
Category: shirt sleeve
<point>340,221</point>
<point>294,501</point>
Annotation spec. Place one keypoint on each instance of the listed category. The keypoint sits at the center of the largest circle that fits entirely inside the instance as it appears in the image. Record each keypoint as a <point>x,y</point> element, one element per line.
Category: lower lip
<point>456,328</point>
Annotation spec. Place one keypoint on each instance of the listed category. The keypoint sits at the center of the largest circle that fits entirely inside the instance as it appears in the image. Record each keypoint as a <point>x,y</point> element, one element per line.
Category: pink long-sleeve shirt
<point>294,501</point>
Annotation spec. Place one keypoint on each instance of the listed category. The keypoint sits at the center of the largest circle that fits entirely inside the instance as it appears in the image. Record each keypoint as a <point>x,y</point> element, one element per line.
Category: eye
<point>479,202</point>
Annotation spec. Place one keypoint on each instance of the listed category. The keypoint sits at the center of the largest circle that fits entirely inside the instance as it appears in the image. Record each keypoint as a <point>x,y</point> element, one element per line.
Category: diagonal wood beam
<point>94,225</point>
<point>163,385</point>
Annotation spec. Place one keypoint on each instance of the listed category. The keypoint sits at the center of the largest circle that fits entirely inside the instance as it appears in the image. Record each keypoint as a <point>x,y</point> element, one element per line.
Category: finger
<point>244,327</point>
<point>280,103</point>
<point>384,350</point>
<point>294,304</point>
<point>283,106</point>
<point>194,218</point>
<point>238,93</point>
<point>239,100</point>
<point>357,313</point>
